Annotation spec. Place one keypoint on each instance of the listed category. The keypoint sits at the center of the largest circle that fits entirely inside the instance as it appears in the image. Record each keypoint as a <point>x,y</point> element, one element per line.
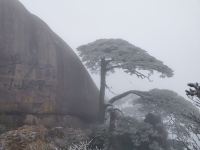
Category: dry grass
<point>39,145</point>
<point>81,146</point>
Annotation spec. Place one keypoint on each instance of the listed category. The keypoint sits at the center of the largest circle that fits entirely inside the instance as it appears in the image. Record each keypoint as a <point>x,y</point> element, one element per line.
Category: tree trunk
<point>113,118</point>
<point>112,126</point>
<point>102,91</point>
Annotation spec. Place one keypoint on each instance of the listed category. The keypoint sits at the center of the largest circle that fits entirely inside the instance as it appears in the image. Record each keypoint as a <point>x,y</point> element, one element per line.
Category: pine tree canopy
<point>121,54</point>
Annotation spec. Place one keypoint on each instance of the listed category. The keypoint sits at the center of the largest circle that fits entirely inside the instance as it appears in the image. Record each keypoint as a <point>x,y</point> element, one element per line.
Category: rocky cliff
<point>39,72</point>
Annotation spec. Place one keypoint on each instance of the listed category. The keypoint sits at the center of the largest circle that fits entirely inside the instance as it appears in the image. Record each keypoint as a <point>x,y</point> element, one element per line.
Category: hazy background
<point>167,29</point>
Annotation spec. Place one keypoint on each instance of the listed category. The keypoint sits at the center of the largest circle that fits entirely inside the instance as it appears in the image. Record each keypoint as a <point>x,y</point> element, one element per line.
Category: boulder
<point>39,72</point>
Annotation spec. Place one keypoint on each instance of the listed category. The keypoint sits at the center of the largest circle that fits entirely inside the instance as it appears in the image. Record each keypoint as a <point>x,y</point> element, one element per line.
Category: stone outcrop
<point>39,72</point>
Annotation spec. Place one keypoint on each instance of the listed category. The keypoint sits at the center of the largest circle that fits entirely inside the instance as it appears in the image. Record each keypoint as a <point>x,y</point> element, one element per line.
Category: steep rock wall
<point>39,72</point>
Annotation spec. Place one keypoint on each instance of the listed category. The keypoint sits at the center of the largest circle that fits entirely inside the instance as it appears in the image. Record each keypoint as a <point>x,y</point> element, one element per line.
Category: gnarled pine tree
<point>106,55</point>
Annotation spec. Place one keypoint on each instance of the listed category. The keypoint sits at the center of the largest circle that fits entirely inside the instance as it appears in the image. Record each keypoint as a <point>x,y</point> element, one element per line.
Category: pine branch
<point>114,67</point>
<point>142,76</point>
<point>118,97</point>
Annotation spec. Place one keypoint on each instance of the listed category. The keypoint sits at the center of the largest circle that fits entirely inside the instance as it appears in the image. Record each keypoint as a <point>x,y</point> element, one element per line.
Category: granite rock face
<point>39,72</point>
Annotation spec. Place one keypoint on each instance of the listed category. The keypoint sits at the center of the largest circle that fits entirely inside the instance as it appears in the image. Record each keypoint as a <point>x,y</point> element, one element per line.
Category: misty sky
<point>167,29</point>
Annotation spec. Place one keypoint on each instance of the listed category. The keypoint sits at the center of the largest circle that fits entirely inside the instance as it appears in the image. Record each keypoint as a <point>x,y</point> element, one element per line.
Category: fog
<point>167,29</point>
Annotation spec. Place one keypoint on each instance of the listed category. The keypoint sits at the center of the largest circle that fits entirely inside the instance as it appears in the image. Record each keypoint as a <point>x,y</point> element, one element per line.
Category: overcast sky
<point>167,29</point>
